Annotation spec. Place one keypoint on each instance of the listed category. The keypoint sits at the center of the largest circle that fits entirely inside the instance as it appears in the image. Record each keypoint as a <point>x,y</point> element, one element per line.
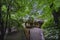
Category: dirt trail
<point>16,36</point>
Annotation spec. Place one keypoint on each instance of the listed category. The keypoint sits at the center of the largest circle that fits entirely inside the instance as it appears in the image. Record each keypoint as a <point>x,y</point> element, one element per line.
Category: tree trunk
<point>1,24</point>
<point>9,17</point>
<point>56,16</point>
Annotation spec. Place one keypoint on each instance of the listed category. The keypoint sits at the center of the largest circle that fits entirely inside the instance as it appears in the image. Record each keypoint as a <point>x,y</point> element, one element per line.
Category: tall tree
<point>1,23</point>
<point>56,15</point>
